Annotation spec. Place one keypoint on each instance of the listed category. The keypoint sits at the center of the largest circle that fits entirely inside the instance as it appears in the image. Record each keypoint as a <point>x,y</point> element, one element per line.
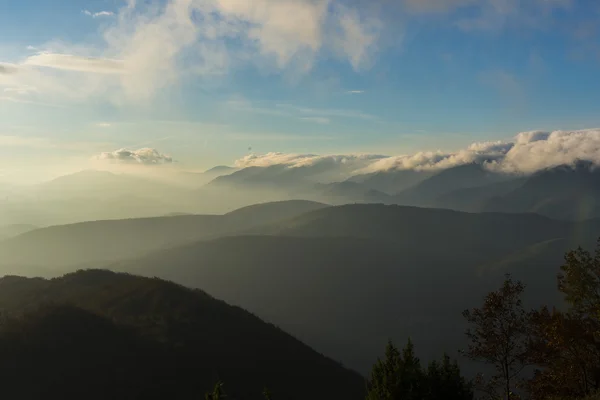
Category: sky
<point>197,83</point>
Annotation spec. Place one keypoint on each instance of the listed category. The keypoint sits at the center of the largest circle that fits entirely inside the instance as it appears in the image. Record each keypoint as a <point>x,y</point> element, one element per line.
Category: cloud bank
<point>145,156</point>
<point>528,153</point>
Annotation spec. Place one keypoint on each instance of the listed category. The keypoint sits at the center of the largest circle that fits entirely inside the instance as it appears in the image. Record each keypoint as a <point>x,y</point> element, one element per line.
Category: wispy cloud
<point>21,90</point>
<point>47,143</point>
<point>103,124</point>
<point>327,112</point>
<point>98,14</point>
<point>355,92</point>
<point>30,102</point>
<point>71,62</point>
<point>316,115</point>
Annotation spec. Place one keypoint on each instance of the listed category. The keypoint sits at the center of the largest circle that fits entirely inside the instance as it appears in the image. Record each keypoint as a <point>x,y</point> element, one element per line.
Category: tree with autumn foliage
<point>566,345</point>
<point>499,336</point>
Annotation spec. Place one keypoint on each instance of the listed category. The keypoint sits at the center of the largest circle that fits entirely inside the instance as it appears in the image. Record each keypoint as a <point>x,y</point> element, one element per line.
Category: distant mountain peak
<point>219,169</point>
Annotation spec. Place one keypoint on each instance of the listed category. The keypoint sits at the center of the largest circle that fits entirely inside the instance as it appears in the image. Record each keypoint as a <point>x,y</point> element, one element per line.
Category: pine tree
<point>385,377</point>
<point>398,377</point>
<point>445,382</point>
<point>217,393</point>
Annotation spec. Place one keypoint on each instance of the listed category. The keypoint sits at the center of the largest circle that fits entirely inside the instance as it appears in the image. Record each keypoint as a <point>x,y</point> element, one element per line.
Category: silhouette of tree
<point>267,394</point>
<point>499,336</point>
<point>217,393</point>
<point>444,381</point>
<point>565,344</point>
<point>400,377</point>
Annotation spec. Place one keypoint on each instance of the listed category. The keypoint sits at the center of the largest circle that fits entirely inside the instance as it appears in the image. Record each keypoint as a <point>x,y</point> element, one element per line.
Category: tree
<point>564,347</point>
<point>445,382</point>
<point>499,336</point>
<point>580,283</point>
<point>217,393</point>
<point>398,377</point>
<point>565,344</point>
<point>267,394</point>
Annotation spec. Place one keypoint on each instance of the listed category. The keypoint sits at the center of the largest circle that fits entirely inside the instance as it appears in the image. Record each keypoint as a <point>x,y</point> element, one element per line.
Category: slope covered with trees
<point>96,334</point>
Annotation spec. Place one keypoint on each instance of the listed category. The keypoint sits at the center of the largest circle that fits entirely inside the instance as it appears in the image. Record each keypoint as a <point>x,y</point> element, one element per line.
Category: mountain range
<point>563,192</point>
<point>342,279</point>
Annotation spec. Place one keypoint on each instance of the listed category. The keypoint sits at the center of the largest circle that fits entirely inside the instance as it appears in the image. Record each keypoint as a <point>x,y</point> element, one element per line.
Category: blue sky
<point>204,81</point>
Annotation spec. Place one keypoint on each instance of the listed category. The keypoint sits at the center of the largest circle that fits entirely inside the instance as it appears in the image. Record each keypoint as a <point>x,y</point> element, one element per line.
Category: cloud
<point>103,124</point>
<point>318,115</point>
<point>145,156</point>
<point>46,143</point>
<point>21,90</point>
<point>482,152</point>
<point>355,92</point>
<point>98,14</point>
<point>318,168</point>
<point>534,151</point>
<point>318,120</point>
<point>277,35</point>
<point>528,153</point>
<point>327,112</point>
<point>150,46</point>
<point>358,38</point>
<point>31,102</point>
<point>76,63</point>
<point>8,69</point>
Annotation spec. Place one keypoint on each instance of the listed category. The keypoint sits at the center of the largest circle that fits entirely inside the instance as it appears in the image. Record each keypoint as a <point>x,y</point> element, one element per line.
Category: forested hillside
<point>96,334</point>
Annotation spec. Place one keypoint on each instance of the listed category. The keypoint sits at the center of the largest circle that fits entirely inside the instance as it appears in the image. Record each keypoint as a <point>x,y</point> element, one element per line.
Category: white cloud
<point>358,38</point>
<point>30,102</point>
<point>529,152</point>
<point>355,92</point>
<point>145,156</point>
<point>325,168</point>
<point>151,46</point>
<point>98,14</point>
<point>103,124</point>
<point>21,90</point>
<point>8,68</point>
<point>538,150</point>
<point>76,63</point>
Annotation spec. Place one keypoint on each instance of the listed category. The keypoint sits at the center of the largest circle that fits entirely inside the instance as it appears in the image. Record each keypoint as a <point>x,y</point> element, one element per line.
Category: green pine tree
<point>445,382</point>
<point>217,393</point>
<point>398,377</point>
